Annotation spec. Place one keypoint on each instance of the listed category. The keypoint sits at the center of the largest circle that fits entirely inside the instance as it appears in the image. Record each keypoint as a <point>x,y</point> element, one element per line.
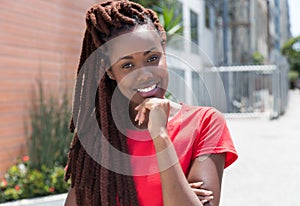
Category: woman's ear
<point>110,74</point>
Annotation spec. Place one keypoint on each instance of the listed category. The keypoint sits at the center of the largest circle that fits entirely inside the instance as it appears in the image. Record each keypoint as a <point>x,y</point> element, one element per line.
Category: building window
<point>207,17</point>
<point>194,29</point>
<point>177,84</point>
<point>200,93</point>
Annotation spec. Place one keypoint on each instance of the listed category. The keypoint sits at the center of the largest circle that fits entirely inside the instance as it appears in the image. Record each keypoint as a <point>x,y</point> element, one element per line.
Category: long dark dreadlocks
<point>94,184</point>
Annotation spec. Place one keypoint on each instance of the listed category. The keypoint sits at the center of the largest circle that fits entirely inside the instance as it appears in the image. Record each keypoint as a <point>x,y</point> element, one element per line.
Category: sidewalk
<point>53,200</point>
<point>268,169</point>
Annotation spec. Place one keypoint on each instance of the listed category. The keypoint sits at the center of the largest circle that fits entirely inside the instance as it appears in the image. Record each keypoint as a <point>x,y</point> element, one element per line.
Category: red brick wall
<point>38,39</point>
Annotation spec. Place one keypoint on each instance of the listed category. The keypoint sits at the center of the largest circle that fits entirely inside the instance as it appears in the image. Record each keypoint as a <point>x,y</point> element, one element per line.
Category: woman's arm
<point>71,198</point>
<point>175,187</point>
<point>176,190</point>
<point>209,170</point>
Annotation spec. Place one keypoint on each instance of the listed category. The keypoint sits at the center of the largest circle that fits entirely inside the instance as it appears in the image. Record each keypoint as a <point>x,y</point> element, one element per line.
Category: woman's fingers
<point>141,111</point>
<point>205,199</point>
<point>156,104</point>
<point>141,114</point>
<point>158,114</point>
<point>203,194</point>
<point>196,184</point>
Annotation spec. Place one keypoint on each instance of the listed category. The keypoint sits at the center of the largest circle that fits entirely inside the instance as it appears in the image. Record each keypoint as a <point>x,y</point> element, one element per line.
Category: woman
<point>149,151</point>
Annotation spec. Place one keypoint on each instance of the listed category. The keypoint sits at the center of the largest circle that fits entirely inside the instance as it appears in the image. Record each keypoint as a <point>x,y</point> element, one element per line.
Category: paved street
<point>267,172</point>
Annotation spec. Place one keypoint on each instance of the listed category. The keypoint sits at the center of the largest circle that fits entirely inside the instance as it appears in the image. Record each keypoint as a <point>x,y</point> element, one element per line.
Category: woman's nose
<point>144,74</point>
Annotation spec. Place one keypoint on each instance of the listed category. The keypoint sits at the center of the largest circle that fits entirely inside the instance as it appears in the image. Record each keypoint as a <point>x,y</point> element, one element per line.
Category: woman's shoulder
<point>192,113</point>
<point>203,110</point>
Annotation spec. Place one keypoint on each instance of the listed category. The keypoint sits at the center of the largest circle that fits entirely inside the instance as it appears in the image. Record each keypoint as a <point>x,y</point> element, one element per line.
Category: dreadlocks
<point>94,184</point>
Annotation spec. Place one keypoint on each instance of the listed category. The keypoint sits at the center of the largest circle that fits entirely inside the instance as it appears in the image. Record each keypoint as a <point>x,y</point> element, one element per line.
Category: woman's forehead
<point>140,40</point>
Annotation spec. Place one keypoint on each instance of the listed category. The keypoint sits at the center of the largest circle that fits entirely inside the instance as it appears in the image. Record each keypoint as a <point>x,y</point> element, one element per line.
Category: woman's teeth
<point>147,89</point>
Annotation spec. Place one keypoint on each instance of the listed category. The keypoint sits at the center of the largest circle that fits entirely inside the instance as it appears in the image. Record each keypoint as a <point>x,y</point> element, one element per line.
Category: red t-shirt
<point>194,131</point>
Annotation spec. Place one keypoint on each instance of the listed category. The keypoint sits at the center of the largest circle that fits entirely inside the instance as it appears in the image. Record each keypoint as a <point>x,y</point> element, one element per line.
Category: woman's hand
<point>203,194</point>
<point>158,114</point>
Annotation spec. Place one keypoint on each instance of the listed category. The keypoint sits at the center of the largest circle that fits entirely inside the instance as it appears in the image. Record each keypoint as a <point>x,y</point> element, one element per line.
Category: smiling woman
<point>131,143</point>
<point>143,72</point>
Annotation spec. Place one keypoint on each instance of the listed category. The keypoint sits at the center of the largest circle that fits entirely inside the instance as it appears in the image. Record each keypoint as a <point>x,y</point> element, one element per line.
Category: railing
<point>255,90</point>
<point>248,90</point>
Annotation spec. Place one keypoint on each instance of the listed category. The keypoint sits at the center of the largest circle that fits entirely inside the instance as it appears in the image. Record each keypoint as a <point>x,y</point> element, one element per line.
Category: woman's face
<point>139,65</point>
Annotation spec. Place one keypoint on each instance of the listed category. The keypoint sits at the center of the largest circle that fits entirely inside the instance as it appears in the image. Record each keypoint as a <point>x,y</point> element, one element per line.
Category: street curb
<point>38,201</point>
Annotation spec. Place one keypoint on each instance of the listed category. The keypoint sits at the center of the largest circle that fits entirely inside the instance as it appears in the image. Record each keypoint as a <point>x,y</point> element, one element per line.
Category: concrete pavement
<point>267,172</point>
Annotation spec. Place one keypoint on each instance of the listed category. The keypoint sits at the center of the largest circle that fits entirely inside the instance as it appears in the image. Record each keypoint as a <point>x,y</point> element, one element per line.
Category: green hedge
<point>22,181</point>
<point>42,171</point>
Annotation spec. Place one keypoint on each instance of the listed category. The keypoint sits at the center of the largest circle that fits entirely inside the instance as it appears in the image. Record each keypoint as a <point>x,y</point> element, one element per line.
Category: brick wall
<point>38,39</point>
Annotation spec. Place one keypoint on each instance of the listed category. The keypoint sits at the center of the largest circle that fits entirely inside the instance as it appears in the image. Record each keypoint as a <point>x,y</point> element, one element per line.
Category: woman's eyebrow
<point>125,57</point>
<point>144,54</point>
<point>150,50</point>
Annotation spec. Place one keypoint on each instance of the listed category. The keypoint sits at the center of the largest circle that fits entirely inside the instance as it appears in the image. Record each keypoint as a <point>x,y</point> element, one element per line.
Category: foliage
<point>170,17</point>
<point>257,58</point>
<point>170,96</point>
<point>169,13</point>
<point>291,49</point>
<point>23,181</point>
<point>49,138</point>
<point>293,75</point>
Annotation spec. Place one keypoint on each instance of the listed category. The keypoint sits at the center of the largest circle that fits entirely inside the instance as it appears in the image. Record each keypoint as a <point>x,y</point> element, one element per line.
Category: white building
<point>193,53</point>
<point>253,26</point>
<point>258,26</point>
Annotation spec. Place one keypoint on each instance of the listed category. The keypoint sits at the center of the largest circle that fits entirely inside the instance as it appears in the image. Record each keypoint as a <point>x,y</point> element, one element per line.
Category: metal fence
<point>237,91</point>
<point>255,90</point>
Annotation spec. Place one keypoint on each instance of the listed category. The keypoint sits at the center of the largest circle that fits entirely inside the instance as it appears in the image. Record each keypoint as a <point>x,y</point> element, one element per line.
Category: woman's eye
<point>127,66</point>
<point>152,58</point>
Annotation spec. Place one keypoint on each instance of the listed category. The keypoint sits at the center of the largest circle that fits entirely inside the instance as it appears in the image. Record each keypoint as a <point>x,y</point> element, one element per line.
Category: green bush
<point>23,181</point>
<point>48,143</point>
<point>257,58</point>
<point>49,137</point>
<point>293,75</point>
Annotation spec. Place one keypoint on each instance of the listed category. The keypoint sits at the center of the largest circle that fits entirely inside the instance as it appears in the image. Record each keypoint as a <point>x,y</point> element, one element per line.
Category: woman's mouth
<point>147,89</point>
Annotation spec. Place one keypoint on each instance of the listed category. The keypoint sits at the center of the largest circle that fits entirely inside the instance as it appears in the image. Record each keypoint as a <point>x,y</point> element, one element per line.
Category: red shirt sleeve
<point>214,137</point>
